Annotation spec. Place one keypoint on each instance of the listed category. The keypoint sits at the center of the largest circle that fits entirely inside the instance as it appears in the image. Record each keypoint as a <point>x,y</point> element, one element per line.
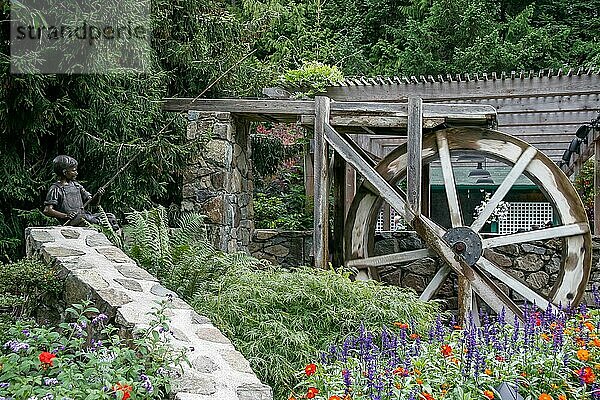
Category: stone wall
<point>218,182</point>
<point>100,272</point>
<point>286,248</point>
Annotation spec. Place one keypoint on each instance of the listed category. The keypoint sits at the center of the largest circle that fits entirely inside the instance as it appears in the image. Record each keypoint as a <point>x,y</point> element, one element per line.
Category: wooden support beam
<point>321,187</point>
<point>597,188</point>
<point>414,166</point>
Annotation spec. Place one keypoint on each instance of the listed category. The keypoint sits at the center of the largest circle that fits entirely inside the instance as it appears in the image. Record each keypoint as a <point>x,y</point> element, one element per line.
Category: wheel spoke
<point>387,259</point>
<point>541,234</point>
<point>449,182</point>
<point>498,273</point>
<point>504,187</point>
<point>435,283</point>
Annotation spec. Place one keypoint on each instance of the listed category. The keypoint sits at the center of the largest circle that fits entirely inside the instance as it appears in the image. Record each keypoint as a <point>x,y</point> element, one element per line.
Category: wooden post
<point>339,209</point>
<point>597,187</point>
<point>309,178</point>
<point>426,190</point>
<point>321,187</point>
<point>415,138</point>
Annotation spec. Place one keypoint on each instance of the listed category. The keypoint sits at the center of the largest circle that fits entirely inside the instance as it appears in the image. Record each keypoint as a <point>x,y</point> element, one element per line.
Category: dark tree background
<point>104,120</point>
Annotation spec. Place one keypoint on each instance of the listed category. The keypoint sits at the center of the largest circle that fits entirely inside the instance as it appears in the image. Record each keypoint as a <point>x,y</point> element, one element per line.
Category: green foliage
<point>312,77</point>
<point>278,319</point>
<point>72,363</point>
<point>584,184</point>
<point>282,202</point>
<point>181,257</point>
<point>25,285</point>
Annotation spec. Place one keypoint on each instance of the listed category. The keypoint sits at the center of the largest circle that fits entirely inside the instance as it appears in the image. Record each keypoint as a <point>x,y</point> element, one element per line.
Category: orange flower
<point>523,374</point>
<point>562,397</point>
<point>488,372</point>
<point>457,327</point>
<point>401,325</point>
<point>400,371</point>
<point>545,396</point>
<point>419,381</point>
<point>595,342</point>
<point>414,336</point>
<point>347,397</point>
<point>446,350</point>
<point>312,393</point>
<point>125,389</point>
<point>455,360</point>
<point>46,358</point>
<point>545,337</point>
<point>580,342</point>
<point>291,398</point>
<point>590,326</point>
<point>583,354</point>
<point>335,398</point>
<point>310,369</point>
<point>489,394</point>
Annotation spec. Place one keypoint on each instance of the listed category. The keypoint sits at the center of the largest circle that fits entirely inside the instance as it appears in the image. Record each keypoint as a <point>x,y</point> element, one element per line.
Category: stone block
<point>529,263</point>
<point>196,383</point>
<point>530,248</point>
<point>537,280</point>
<point>277,250</point>
<point>129,284</point>
<point>114,254</point>
<point>97,240</point>
<point>425,266</point>
<point>254,391</point>
<point>134,272</point>
<point>498,258</point>
<point>69,233</point>
<point>212,334</point>
<point>204,364</point>
<point>236,360</point>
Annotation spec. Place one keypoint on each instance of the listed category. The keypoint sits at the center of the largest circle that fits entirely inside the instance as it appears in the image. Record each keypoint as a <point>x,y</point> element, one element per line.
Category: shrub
<point>313,77</point>
<point>25,284</point>
<point>70,363</point>
<point>552,355</point>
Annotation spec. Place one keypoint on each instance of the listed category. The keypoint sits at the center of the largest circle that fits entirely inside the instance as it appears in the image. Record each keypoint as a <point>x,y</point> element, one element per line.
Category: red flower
<point>46,358</point>
<point>312,392</point>
<point>446,350</point>
<point>126,389</point>
<point>427,396</point>
<point>400,371</point>
<point>310,369</point>
<point>586,374</point>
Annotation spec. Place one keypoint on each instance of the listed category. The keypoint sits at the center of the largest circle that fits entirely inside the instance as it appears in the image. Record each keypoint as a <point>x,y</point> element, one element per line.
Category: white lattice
<point>379,224</point>
<point>524,216</point>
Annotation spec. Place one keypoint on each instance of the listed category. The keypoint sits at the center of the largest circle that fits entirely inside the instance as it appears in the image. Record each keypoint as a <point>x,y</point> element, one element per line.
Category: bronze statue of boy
<point>66,197</point>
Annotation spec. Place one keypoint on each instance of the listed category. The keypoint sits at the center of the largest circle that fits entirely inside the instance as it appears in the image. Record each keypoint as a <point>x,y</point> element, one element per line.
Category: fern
<point>107,229</point>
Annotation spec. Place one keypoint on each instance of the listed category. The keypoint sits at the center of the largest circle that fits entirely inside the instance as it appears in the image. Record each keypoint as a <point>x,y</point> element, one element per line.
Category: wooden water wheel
<point>461,247</point>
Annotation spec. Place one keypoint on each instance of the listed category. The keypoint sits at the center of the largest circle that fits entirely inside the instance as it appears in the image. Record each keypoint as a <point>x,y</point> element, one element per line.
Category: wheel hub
<point>464,242</point>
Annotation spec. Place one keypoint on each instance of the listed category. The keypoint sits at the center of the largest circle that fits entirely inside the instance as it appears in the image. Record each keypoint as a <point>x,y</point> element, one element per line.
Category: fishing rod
<point>103,187</point>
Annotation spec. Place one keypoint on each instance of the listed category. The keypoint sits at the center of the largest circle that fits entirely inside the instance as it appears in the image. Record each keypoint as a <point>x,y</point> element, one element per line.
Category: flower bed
<point>86,359</point>
<point>554,355</point>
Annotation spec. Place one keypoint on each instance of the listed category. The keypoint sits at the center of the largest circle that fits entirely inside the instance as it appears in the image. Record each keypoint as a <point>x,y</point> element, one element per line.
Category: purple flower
<point>16,346</point>
<point>146,384</point>
<point>4,385</point>
<point>100,319</point>
<point>50,381</point>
